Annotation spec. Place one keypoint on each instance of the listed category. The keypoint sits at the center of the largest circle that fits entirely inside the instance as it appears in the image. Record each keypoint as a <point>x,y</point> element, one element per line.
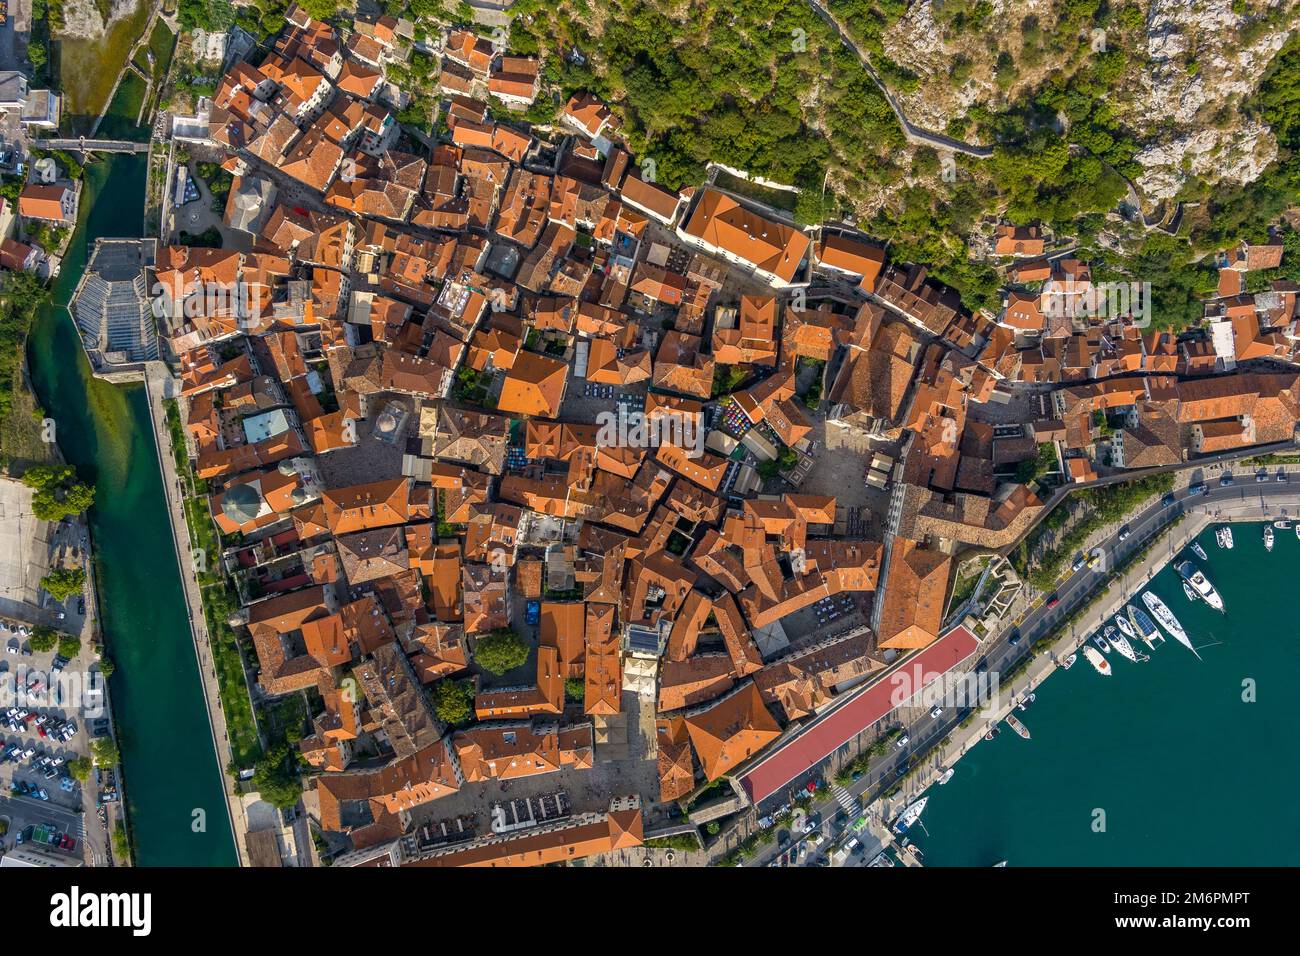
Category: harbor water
<point>1171,762</point>
<point>176,800</point>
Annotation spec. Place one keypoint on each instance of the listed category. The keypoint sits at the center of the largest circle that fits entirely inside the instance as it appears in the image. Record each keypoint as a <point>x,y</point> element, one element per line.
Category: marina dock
<point>1248,507</point>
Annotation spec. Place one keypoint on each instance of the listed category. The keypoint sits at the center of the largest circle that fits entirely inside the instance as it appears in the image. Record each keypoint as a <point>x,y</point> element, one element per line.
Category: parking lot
<point>50,708</point>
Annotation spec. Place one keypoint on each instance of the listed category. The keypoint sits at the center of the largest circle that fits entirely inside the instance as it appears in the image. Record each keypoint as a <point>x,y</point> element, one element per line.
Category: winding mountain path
<point>912,132</point>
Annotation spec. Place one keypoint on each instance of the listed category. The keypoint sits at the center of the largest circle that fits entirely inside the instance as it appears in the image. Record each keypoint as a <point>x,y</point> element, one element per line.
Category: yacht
<point>1224,537</point>
<point>1195,577</point>
<point>1096,660</point>
<point>1161,612</point>
<point>1199,551</point>
<point>910,815</point>
<point>1121,644</point>
<point>1017,726</point>
<point>1103,645</point>
<point>1268,537</point>
<point>1144,626</point>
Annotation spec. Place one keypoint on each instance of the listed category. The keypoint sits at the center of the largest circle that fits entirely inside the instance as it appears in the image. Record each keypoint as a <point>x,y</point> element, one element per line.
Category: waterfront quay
<point>936,743</point>
<point>1243,501</point>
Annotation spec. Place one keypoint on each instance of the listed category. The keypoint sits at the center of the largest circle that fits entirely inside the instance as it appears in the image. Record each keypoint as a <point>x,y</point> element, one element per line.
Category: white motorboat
<point>1195,577</point>
<point>909,816</point>
<point>1160,611</point>
<point>1199,551</point>
<point>1097,660</point>
<point>945,777</point>
<point>1268,537</point>
<point>1103,645</point>
<point>1069,661</point>
<point>1125,627</point>
<point>1281,524</point>
<point>1190,592</point>
<point>1224,537</point>
<point>1026,701</point>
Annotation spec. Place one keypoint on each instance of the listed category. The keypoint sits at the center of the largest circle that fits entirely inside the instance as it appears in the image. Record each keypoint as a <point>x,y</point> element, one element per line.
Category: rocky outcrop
<point>1200,66</point>
<point>85,19</point>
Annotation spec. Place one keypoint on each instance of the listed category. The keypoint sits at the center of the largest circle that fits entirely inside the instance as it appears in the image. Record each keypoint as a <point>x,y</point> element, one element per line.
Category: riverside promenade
<point>159,385</point>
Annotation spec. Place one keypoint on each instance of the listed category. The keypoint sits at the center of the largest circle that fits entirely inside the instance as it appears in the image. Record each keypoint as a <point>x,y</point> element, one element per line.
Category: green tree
<point>276,777</point>
<point>79,767</point>
<point>63,583</point>
<point>43,639</point>
<point>575,689</point>
<point>121,844</point>
<point>58,492</point>
<point>453,701</point>
<point>104,752</point>
<point>69,646</point>
<point>106,666</point>
<point>500,651</point>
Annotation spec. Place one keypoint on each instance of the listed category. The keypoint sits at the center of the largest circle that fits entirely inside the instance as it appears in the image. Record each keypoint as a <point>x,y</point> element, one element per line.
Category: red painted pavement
<point>827,734</point>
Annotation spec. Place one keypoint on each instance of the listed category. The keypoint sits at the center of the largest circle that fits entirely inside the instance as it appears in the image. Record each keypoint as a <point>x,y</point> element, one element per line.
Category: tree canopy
<point>63,583</point>
<point>500,651</point>
<point>59,494</point>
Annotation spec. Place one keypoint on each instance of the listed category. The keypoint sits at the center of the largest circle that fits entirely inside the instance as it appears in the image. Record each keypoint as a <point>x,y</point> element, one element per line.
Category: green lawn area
<point>776,198</point>
<point>218,604</point>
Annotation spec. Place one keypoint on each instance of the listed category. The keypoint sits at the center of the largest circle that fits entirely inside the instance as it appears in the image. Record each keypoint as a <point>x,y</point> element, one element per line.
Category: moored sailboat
<point>1125,649</point>
<point>909,816</point>
<point>1145,627</point>
<point>1160,611</point>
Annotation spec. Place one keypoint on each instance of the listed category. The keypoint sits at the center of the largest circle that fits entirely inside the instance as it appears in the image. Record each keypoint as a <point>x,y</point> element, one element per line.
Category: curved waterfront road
<point>912,132</point>
<point>1239,499</point>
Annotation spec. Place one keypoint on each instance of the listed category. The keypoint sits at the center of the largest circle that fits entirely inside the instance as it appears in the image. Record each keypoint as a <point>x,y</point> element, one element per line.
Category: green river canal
<point>170,768</point>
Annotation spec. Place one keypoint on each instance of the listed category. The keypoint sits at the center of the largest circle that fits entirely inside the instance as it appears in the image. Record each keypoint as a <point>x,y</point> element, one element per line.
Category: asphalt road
<point>1002,655</point>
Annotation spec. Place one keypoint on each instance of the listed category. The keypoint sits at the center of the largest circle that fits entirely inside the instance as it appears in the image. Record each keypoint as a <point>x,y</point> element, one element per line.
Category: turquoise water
<point>1185,772</point>
<point>169,765</point>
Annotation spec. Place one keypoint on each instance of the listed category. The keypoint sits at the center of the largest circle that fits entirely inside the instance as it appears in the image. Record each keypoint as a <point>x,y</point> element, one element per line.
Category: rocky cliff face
<point>88,19</point>
<point>1203,61</point>
<point>1191,64</point>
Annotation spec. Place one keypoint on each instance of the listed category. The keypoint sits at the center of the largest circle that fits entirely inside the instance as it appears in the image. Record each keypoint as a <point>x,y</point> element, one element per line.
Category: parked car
<point>1168,499</point>
<point>1281,476</point>
<point>1227,478</point>
<point>936,711</point>
<point>1200,488</point>
<point>1053,599</point>
<point>902,741</point>
<point>1124,532</point>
